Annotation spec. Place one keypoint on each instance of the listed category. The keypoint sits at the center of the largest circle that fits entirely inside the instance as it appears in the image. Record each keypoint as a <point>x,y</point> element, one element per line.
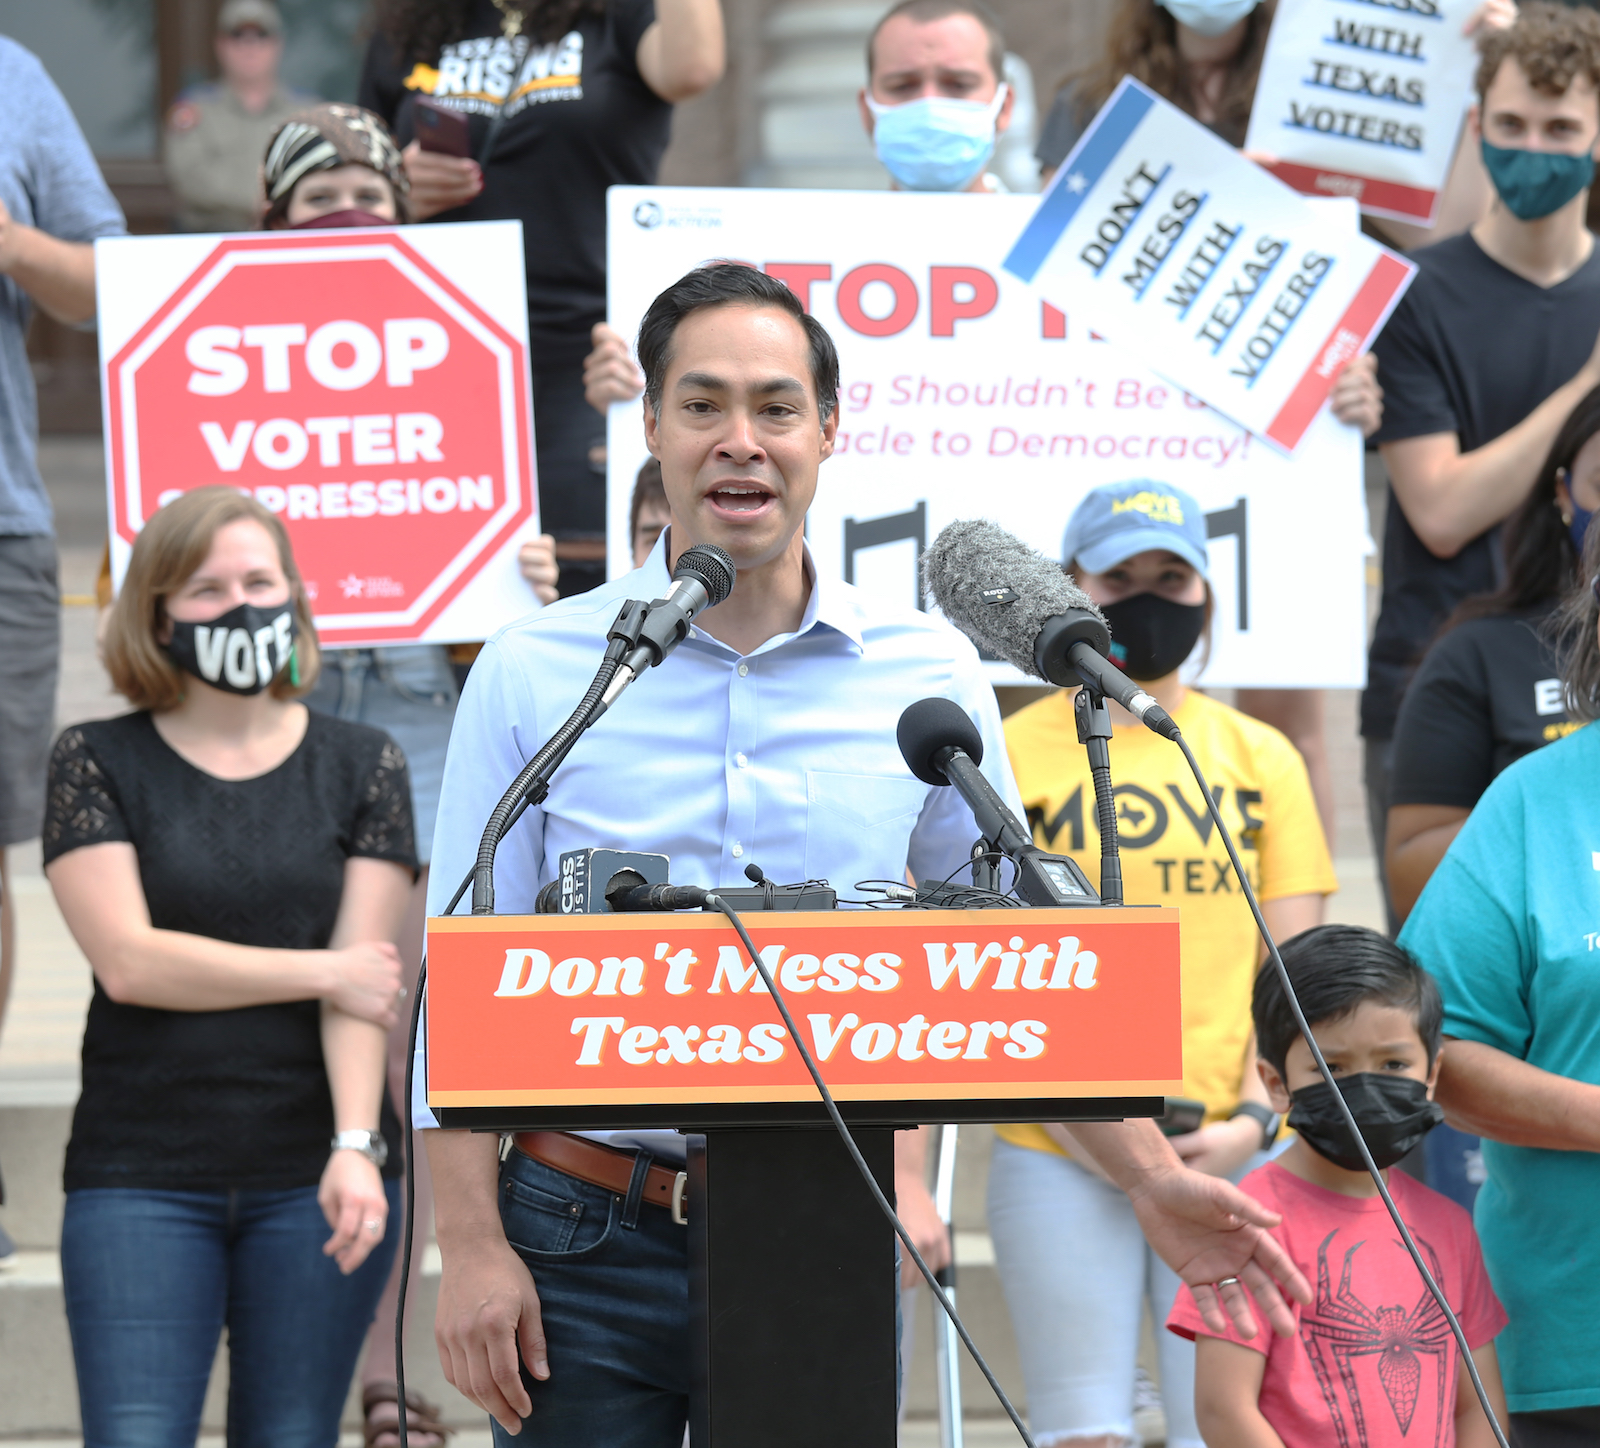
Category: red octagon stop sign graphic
<point>354,390</point>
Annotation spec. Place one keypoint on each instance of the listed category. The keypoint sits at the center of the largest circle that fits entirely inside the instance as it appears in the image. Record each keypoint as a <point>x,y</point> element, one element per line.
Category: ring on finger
<point>375,1225</point>
<point>1222,1282</point>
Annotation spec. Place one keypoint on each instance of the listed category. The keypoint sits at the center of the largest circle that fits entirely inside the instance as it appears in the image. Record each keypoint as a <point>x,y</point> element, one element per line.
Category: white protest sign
<point>369,386</point>
<point>1365,101</point>
<point>962,396</point>
<point>1163,238</point>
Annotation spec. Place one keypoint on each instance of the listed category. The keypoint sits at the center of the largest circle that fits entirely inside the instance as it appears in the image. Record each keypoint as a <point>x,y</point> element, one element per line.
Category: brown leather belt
<point>605,1166</point>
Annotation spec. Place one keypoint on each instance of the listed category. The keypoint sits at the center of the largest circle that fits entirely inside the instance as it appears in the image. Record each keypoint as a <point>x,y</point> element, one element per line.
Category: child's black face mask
<point>1393,1112</point>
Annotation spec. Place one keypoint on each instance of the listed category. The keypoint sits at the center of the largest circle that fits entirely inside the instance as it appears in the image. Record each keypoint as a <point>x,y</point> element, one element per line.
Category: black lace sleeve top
<point>236,1099</point>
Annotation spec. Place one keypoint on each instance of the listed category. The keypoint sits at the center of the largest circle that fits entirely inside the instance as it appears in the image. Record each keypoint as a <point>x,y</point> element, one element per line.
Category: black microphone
<point>703,578</point>
<point>941,745</point>
<point>1019,606</point>
<point>590,882</point>
<point>659,897</point>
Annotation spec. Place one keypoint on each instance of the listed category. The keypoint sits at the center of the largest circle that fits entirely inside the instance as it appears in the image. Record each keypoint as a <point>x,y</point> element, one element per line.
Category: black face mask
<point>241,651</point>
<point>1393,1112</point>
<point>1151,636</point>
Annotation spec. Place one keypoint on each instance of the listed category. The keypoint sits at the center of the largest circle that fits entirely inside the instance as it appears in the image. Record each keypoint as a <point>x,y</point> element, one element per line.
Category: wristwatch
<point>369,1143</point>
<point>1263,1116</point>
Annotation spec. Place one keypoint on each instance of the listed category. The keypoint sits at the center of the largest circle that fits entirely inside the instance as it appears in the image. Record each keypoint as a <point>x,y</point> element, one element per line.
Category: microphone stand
<point>532,783</point>
<point>1094,733</point>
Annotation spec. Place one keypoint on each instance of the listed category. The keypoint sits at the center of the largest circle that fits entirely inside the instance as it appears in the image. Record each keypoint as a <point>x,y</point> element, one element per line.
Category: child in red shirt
<point>1373,1363</point>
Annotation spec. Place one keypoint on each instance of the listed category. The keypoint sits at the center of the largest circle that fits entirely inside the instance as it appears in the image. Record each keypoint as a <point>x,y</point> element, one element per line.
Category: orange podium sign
<point>666,1011</point>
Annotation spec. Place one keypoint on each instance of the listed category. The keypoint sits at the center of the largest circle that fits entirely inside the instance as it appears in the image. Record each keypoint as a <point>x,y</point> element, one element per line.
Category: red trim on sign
<point>1367,310</point>
<point>1388,198</point>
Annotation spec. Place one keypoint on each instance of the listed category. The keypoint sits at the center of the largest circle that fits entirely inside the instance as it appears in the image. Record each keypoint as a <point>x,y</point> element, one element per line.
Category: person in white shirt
<point>767,737</point>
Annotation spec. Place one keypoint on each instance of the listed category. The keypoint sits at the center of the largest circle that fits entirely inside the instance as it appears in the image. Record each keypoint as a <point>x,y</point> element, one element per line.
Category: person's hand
<point>1207,1230</point>
<point>488,1310</point>
<point>537,560</point>
<point>367,982</point>
<point>609,372</point>
<point>352,1199</point>
<point>1221,1148</point>
<point>1491,15</point>
<point>1356,397</point>
<point>439,183</point>
<point>914,1206</point>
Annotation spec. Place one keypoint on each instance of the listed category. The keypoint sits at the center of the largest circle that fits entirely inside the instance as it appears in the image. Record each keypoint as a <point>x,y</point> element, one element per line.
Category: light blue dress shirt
<point>784,757</point>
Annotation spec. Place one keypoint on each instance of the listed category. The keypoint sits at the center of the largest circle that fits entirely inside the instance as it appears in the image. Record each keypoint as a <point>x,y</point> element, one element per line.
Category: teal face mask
<point>1535,183</point>
<point>935,144</point>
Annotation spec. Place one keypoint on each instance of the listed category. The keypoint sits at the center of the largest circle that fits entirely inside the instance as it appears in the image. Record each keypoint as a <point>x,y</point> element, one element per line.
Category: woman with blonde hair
<point>235,867</point>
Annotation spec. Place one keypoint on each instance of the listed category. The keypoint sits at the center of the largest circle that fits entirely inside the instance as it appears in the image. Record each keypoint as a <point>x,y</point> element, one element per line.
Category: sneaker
<point>1146,1395</point>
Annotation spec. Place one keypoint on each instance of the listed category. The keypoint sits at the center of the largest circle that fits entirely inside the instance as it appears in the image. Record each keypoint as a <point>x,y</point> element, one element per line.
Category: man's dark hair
<point>1335,969</point>
<point>926,11</point>
<point>647,488</point>
<point>730,284</point>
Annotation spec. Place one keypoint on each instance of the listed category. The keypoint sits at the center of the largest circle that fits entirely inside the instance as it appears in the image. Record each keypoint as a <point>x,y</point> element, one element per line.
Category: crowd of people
<point>244,856</point>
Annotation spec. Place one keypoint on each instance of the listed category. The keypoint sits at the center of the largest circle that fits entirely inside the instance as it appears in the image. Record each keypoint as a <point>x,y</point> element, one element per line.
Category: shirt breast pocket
<point>858,826</point>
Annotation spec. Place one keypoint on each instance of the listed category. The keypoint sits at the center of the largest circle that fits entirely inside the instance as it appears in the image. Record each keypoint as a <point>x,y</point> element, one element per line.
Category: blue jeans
<point>151,1277</point>
<point>409,692</point>
<point>613,1280</point>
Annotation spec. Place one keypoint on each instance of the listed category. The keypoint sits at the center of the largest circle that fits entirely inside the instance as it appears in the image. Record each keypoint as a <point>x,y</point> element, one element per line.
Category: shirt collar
<point>832,604</point>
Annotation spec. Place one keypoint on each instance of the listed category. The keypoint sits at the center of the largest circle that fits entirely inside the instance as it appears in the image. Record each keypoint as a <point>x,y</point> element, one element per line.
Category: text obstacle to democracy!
<point>965,396</point>
<point>1366,100</point>
<point>370,387</point>
<point>1162,237</point>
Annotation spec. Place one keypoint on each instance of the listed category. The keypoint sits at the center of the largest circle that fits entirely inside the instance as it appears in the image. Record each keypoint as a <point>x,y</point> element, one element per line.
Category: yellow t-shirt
<point>1172,855</point>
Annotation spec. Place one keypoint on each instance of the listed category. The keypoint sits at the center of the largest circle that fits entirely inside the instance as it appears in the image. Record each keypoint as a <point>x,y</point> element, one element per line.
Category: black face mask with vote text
<point>1151,636</point>
<point>1393,1112</point>
<point>241,651</point>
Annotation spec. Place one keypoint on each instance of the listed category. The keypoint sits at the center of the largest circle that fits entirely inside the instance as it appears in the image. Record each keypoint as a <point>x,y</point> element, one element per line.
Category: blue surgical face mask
<point>935,144</point>
<point>1209,17</point>
<point>1535,183</point>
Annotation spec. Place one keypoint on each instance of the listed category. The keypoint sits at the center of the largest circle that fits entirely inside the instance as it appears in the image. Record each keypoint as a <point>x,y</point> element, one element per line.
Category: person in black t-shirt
<point>563,98</point>
<point>1487,353</point>
<point>235,868</point>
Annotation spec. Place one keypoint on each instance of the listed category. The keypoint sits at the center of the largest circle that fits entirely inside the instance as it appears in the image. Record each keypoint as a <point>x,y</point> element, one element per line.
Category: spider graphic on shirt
<point>1339,1326</point>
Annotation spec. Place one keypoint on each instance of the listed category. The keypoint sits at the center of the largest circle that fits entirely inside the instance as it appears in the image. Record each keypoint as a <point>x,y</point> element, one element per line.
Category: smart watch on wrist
<point>1263,1116</point>
<point>369,1143</point>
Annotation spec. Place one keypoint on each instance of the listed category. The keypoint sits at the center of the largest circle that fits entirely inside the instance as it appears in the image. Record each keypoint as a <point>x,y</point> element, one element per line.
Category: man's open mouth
<point>740,497</point>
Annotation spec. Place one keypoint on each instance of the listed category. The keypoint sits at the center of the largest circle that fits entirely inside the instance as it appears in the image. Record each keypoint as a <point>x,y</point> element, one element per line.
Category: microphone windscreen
<point>712,566</point>
<point>930,725</point>
<point>998,591</point>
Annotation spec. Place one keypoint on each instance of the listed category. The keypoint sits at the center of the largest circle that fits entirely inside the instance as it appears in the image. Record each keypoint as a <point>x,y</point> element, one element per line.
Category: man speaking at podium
<point>767,737</point>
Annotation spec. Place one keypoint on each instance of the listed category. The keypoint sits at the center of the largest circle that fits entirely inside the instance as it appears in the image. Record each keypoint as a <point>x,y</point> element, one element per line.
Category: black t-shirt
<point>1471,349</point>
<point>1486,694</point>
<point>578,118</point>
<point>211,1100</point>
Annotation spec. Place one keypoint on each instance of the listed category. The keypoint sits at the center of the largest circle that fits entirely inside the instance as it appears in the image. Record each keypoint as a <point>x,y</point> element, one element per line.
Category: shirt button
<point>738,849</point>
<point>743,670</point>
<point>741,761</point>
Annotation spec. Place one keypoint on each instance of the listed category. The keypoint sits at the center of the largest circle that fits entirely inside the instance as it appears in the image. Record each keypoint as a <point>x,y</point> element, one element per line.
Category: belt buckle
<point>680,1189</point>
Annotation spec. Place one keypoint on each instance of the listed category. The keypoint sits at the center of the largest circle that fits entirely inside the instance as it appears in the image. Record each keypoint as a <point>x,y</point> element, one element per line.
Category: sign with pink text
<point>964,395</point>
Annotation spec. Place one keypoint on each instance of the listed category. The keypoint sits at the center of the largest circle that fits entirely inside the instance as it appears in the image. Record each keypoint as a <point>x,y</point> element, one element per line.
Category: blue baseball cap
<point>1117,520</point>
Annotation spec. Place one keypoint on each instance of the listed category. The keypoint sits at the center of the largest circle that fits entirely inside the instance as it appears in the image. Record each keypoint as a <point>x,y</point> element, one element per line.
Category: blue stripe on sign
<point>1106,136</point>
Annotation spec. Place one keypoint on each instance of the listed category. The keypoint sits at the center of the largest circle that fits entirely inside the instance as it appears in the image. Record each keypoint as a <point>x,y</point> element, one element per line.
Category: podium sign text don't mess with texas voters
<point>369,387</point>
<point>613,1009</point>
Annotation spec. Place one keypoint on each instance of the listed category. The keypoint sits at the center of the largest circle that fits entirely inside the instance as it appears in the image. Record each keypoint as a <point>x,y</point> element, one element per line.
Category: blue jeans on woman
<point>151,1278</point>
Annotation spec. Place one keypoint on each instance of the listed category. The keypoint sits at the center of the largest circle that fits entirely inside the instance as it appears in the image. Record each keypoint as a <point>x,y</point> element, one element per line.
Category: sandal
<point>423,1428</point>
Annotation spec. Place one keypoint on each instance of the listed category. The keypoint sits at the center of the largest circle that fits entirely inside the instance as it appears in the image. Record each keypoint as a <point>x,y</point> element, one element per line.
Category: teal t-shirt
<point>1508,924</point>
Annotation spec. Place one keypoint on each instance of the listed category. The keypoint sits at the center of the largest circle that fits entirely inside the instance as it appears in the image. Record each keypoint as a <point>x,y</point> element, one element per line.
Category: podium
<point>913,1016</point>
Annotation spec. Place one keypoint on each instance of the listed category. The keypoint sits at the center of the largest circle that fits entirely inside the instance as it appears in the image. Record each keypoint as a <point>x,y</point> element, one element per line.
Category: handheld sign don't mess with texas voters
<point>1166,240</point>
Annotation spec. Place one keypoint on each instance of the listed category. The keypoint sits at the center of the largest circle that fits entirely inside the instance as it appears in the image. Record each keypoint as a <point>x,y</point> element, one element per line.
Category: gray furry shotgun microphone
<point>1012,601</point>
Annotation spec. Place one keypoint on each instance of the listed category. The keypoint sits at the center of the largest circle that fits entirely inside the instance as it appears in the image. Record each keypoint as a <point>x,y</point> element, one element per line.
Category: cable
<point>932,1280</point>
<point>1344,1106</point>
